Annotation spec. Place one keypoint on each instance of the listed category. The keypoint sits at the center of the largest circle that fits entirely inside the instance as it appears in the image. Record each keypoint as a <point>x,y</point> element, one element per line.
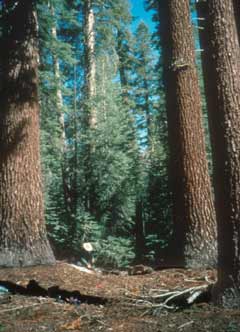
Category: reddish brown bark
<point>194,228</point>
<point>23,238</point>
<point>223,81</point>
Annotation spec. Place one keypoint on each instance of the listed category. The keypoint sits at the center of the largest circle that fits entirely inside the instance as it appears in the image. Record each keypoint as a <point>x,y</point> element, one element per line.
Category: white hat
<point>87,246</point>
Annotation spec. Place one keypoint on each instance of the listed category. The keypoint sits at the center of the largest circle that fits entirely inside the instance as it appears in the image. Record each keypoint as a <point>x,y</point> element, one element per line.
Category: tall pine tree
<point>194,229</point>
<point>223,94</point>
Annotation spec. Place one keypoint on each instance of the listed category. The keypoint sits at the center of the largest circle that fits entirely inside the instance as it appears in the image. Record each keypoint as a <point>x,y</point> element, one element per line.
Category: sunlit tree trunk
<point>90,114</point>
<point>69,177</point>
<point>194,228</point>
<point>90,63</point>
<point>74,180</point>
<point>59,96</point>
<point>222,79</point>
<point>60,111</point>
<point>147,111</point>
<point>23,238</point>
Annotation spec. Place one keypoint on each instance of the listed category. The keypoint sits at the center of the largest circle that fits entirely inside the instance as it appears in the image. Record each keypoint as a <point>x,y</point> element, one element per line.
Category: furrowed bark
<point>23,238</point>
<point>194,228</point>
<point>223,73</point>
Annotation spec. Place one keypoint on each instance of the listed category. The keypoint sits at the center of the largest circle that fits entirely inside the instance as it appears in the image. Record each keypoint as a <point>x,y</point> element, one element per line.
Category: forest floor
<point>132,302</point>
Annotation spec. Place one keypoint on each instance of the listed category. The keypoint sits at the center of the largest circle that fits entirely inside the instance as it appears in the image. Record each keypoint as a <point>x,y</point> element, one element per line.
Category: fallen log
<point>34,289</point>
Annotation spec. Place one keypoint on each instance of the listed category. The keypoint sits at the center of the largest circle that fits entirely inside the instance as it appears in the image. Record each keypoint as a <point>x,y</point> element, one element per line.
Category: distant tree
<point>142,75</point>
<point>152,205</point>
<point>114,151</point>
<point>194,228</point>
<point>58,33</point>
<point>90,62</point>
<point>23,238</point>
<point>105,156</point>
<point>125,61</point>
<point>113,163</point>
<point>68,179</point>
<point>222,82</point>
<point>89,116</point>
<point>115,43</point>
<point>144,81</point>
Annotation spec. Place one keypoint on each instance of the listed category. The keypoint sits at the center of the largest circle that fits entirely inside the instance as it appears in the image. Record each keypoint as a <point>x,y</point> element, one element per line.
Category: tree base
<point>189,258</point>
<point>38,254</point>
<point>200,260</point>
<point>226,296</point>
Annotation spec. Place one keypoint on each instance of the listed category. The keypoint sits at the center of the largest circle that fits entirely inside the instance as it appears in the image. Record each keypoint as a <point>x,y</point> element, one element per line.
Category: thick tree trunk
<point>223,73</point>
<point>194,227</point>
<point>23,238</point>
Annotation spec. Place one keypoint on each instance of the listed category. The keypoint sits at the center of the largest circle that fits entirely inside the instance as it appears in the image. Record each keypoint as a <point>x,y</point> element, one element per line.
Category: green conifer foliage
<point>56,61</point>
<point>150,117</point>
<point>126,166</point>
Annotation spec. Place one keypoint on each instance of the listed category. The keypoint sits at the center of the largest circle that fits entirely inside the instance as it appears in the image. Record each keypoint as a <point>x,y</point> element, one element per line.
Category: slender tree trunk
<point>147,111</point>
<point>23,238</point>
<point>59,97</point>
<point>139,233</point>
<point>60,111</point>
<point>69,182</point>
<point>124,83</point>
<point>90,115</point>
<point>122,71</point>
<point>90,63</point>
<point>222,79</point>
<point>103,87</point>
<point>74,189</point>
<point>194,228</point>
<point>146,97</point>
<point>123,74</point>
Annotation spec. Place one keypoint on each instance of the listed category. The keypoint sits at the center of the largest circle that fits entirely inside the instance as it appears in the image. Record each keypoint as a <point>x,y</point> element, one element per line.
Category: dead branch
<point>186,324</point>
<point>24,307</point>
<point>171,300</point>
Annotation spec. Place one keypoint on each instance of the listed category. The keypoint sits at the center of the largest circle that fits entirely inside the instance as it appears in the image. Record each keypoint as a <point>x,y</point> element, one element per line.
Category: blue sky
<point>139,11</point>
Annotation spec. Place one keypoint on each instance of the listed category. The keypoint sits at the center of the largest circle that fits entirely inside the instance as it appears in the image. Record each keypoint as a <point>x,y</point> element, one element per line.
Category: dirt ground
<point>131,303</point>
